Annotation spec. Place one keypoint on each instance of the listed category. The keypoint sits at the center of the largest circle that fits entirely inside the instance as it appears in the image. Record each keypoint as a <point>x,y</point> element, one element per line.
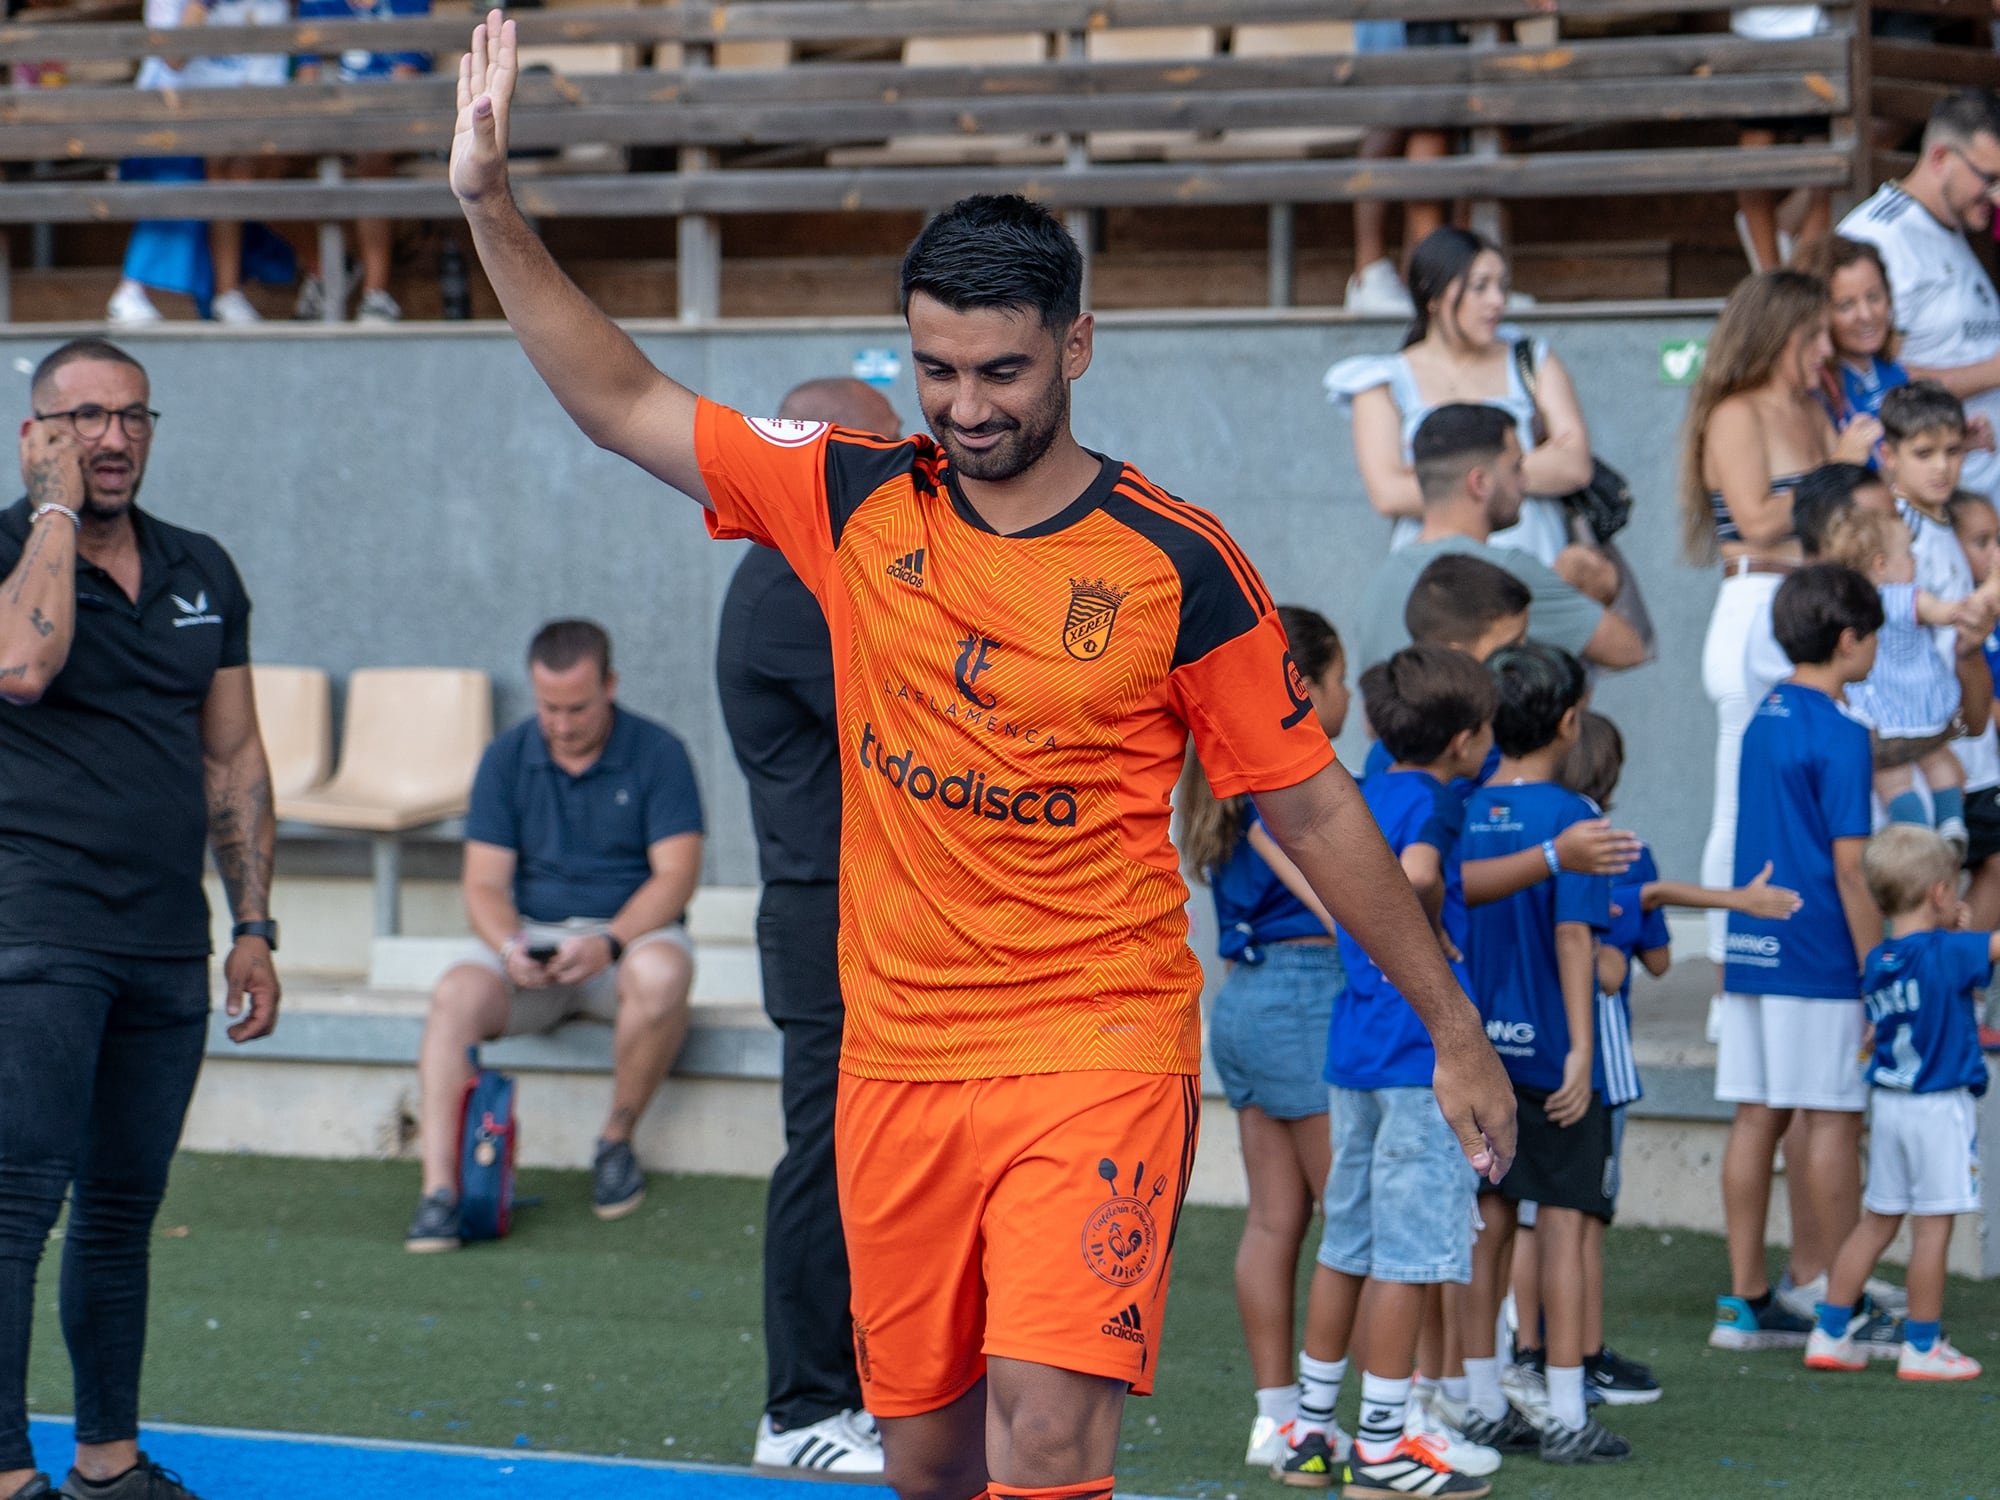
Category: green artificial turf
<point>283,1299</point>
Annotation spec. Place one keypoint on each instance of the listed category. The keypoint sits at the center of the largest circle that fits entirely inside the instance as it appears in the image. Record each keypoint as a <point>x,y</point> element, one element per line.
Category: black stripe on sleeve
<point>1214,607</point>
<point>857,465</point>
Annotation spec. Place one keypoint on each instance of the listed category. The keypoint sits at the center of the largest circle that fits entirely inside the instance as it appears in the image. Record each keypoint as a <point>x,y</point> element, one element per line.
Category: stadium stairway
<point>338,1079</point>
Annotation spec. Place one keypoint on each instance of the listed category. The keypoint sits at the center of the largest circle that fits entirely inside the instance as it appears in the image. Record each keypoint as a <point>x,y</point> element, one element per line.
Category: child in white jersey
<point>1911,698</point>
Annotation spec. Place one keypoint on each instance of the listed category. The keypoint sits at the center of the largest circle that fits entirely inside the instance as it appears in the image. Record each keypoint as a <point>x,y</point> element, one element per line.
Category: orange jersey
<point>1013,713</point>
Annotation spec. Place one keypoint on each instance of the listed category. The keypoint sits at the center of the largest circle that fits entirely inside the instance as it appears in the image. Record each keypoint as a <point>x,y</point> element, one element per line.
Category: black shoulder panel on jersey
<point>858,464</point>
<point>1217,603</point>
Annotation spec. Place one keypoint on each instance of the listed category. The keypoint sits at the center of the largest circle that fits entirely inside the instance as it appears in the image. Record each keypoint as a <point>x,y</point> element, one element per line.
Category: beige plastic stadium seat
<point>1144,44</point>
<point>410,743</point>
<point>1281,40</point>
<point>961,150</point>
<point>295,717</point>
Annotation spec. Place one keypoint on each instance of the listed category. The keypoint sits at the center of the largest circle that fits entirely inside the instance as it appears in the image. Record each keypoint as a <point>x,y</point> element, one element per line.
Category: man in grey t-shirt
<point>1468,465</point>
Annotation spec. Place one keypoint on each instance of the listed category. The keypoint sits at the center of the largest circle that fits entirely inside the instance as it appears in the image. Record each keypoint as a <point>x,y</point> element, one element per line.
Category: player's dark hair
<point>1958,117</point>
<point>1592,767</point>
<point>1443,256</point>
<point>1919,407</point>
<point>997,251</point>
<point>1424,696</point>
<point>1815,604</point>
<point>1457,598</point>
<point>1538,684</point>
<point>561,644</point>
<point>1455,438</point>
<point>1315,643</point>
<point>1823,493</point>
<point>74,351</point>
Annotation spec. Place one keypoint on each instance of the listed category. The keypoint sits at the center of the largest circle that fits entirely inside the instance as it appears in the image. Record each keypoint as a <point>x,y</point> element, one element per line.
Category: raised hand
<point>1857,440</point>
<point>486,77</point>
<point>52,464</point>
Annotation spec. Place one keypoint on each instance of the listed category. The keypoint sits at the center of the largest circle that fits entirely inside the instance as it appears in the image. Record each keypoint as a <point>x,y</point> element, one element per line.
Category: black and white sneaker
<point>145,1480</point>
<point>844,1446</point>
<point>435,1226</point>
<point>617,1186</point>
<point>1416,1466</point>
<point>1588,1444</point>
<point>1512,1433</point>
<point>1618,1381</point>
<point>1876,1332</point>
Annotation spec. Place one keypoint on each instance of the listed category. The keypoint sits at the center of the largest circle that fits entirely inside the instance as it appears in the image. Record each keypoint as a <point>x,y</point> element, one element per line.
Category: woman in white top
<point>1458,349</point>
<point>1755,428</point>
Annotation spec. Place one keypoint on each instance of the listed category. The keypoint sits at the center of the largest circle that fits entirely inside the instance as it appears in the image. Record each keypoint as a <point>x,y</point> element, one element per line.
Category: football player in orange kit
<point>1025,636</point>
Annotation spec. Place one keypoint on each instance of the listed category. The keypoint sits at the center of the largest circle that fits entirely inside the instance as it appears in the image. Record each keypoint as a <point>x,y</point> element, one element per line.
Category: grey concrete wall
<point>415,496</point>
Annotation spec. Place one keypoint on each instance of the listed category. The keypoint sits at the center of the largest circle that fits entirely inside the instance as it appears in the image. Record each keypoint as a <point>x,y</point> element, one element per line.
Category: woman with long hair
<point>1266,1035</point>
<point>1755,426</point>
<point>1458,348</point>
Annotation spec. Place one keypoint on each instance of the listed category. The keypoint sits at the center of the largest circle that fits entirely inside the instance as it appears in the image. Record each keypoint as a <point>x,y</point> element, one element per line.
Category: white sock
<point>1482,1388</point>
<point>1456,1388</point>
<point>1319,1392</point>
<point>1422,1387</point>
<point>1384,1404</point>
<point>1566,1395</point>
<point>1279,1402</point>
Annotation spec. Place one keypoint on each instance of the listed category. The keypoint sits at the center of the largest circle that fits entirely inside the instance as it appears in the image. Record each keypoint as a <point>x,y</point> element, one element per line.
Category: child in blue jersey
<point>1400,1198</point>
<point>1791,1018</point>
<point>1284,970</point>
<point>1532,957</point>
<point>1637,935</point>
<point>1925,1073</point>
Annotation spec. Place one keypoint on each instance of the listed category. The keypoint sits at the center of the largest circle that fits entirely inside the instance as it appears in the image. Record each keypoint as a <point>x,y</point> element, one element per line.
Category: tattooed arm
<point>38,598</point>
<point>242,832</point>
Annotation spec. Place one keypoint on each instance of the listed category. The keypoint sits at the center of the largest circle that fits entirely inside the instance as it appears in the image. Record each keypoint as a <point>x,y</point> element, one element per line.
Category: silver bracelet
<point>42,510</point>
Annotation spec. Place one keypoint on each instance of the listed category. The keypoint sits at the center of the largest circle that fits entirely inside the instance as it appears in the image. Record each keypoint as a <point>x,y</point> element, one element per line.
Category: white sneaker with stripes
<point>844,1444</point>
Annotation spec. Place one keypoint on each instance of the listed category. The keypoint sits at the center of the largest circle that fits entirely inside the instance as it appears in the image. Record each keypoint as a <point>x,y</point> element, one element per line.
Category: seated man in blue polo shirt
<point>582,847</point>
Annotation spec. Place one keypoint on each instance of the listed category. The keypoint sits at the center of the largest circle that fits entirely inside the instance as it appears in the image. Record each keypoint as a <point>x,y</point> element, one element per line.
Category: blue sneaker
<point>1739,1326</point>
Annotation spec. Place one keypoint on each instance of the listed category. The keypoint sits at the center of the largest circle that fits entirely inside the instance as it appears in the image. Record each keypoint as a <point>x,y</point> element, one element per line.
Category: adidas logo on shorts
<point>1127,1326</point>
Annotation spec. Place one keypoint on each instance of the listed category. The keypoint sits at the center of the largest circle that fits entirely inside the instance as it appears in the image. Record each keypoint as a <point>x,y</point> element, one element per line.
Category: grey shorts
<point>533,1011</point>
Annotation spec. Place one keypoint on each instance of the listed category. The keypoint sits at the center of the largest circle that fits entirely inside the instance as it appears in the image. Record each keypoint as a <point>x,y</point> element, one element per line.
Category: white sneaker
<point>131,307</point>
<point>234,307</point>
<point>844,1443</point>
<point>1451,1413</point>
<point>1527,1392</point>
<point>311,304</point>
<point>1939,1362</point>
<point>1376,288</point>
<point>378,307</point>
<point>1448,1442</point>
<point>1804,1300</point>
<point>1270,1444</point>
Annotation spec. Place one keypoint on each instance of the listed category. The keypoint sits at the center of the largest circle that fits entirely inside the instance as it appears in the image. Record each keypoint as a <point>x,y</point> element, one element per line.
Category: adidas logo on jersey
<point>1126,1326</point>
<point>909,568</point>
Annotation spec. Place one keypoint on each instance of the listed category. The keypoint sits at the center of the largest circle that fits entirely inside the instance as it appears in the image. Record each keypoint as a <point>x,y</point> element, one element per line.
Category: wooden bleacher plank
<point>1693,59</point>
<point>1958,67</point>
<point>644,195</point>
<point>811,20</point>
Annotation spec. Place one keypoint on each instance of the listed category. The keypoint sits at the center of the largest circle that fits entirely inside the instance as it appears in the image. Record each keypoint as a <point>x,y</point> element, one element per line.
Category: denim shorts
<point>1267,1033</point>
<point>1399,1200</point>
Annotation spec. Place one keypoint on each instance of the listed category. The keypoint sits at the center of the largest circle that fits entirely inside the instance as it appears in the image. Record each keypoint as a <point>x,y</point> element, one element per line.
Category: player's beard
<point>1027,437</point>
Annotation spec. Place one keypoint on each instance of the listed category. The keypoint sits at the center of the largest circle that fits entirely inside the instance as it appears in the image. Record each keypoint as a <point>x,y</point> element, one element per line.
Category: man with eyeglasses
<point>128,742</point>
<point>1945,306</point>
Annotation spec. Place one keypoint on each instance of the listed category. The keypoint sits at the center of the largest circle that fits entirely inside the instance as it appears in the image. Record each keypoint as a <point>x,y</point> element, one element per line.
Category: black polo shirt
<point>103,813</point>
<point>774,670</point>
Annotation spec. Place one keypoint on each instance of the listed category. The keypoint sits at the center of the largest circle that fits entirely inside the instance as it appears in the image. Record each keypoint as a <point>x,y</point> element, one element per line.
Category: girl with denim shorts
<point>1284,971</point>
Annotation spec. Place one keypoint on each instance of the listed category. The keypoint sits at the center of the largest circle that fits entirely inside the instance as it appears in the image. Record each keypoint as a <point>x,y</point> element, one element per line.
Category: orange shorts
<point>1030,1218</point>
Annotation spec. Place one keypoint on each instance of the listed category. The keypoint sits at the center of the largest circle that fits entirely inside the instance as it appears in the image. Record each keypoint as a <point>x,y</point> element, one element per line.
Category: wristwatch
<point>268,931</point>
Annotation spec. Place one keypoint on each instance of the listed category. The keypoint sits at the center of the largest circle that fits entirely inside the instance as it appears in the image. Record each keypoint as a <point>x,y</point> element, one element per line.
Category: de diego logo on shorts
<point>1121,1238</point>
